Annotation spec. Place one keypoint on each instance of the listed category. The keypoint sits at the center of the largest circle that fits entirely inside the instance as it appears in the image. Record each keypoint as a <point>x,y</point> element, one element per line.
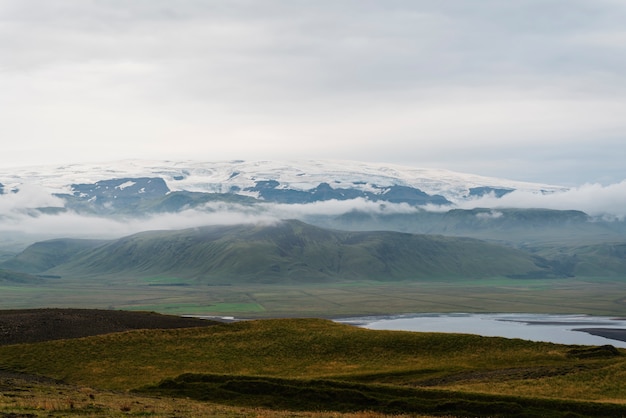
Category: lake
<point>559,329</point>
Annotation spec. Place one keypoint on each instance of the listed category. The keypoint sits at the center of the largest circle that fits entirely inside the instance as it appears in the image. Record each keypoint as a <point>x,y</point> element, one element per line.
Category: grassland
<point>317,365</point>
<point>595,296</point>
<point>27,399</point>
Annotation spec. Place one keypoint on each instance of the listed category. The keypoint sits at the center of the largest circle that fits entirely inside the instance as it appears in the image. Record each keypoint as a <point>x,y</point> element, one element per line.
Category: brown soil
<point>37,325</point>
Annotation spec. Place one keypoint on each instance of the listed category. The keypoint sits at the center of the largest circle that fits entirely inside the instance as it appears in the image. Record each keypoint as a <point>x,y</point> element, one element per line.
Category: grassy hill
<point>311,364</point>
<point>295,252</point>
<point>510,225</point>
<point>14,277</point>
<point>44,255</point>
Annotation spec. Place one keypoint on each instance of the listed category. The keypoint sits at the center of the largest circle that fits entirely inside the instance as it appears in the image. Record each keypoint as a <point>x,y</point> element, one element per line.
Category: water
<point>535,327</point>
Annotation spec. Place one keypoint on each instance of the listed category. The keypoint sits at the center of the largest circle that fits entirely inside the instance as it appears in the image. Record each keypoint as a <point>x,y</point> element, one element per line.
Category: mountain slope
<point>45,255</point>
<point>510,225</point>
<point>14,277</point>
<point>294,252</point>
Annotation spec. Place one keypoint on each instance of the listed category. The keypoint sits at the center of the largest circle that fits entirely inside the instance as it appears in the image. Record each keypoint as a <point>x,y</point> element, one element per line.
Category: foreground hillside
<point>314,365</point>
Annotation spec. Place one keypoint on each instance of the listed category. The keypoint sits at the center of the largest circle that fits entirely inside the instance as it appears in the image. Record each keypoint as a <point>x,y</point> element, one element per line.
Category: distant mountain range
<point>294,252</point>
<point>422,232</point>
<point>138,186</point>
<point>341,195</point>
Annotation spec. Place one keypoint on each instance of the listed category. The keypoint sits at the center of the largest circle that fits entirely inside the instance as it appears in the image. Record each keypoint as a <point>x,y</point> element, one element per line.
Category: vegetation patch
<point>311,395</point>
<point>165,281</point>
<point>315,350</point>
<point>236,307</point>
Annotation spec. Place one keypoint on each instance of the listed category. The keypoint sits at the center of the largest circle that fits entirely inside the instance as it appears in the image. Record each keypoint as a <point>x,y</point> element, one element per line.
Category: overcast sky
<point>525,89</point>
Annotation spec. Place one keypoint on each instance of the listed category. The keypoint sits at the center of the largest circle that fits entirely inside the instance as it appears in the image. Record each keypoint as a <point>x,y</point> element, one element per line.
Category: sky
<point>531,90</point>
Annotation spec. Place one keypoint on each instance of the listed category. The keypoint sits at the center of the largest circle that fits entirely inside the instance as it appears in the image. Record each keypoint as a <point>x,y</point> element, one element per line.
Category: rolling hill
<point>284,252</point>
<point>316,365</point>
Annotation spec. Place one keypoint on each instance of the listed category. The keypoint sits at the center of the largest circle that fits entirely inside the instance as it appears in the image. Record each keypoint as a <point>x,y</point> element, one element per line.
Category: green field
<point>319,365</point>
<point>594,296</point>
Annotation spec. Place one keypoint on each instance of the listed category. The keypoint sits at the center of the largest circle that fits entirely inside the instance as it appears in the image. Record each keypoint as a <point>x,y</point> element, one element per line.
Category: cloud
<point>490,215</point>
<point>594,199</point>
<point>337,207</point>
<point>418,82</point>
<point>18,213</point>
<point>71,224</point>
<point>28,197</point>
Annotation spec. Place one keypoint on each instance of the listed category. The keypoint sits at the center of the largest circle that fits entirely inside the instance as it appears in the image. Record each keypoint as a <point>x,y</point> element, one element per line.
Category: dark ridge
<point>304,395</point>
<point>37,325</point>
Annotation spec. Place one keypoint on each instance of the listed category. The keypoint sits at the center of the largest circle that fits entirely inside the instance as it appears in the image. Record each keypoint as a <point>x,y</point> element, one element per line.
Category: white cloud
<point>415,82</point>
<point>593,199</point>
<point>70,224</point>
<point>337,207</point>
<point>491,215</point>
<point>18,214</point>
<point>27,197</point>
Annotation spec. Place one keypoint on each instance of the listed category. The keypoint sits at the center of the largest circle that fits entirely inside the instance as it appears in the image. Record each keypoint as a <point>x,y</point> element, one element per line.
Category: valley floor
<point>592,296</point>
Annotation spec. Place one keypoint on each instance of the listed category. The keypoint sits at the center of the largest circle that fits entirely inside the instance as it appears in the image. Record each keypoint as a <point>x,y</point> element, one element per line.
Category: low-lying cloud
<point>20,212</point>
<point>28,197</point>
<point>594,199</point>
<point>337,207</point>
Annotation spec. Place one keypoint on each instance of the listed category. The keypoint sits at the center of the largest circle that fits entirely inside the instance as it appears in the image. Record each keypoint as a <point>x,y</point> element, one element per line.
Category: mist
<point>34,212</point>
<point>608,202</point>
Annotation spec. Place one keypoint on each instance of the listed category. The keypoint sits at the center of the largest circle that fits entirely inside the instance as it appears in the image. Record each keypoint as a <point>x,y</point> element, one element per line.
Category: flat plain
<point>593,296</point>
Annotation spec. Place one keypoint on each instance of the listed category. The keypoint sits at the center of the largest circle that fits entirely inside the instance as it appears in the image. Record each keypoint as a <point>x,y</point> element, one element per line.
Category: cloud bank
<point>529,90</point>
<point>594,199</point>
<point>19,211</point>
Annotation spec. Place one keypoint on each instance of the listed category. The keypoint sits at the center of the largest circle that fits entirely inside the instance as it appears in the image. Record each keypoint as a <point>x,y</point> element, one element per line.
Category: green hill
<point>295,252</point>
<point>8,276</point>
<point>513,226</point>
<point>44,255</point>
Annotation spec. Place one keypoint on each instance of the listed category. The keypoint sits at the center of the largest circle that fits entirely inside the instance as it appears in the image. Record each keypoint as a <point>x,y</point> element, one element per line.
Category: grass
<point>39,400</point>
<point>166,281</point>
<point>595,296</point>
<point>298,395</point>
<point>191,308</point>
<point>293,363</point>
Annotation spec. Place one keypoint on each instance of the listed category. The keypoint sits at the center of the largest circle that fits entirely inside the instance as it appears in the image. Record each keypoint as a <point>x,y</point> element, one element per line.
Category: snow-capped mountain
<point>123,197</point>
<point>279,181</point>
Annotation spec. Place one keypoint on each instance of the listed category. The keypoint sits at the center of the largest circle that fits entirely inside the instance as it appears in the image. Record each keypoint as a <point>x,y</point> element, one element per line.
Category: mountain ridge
<point>243,176</point>
<point>293,252</point>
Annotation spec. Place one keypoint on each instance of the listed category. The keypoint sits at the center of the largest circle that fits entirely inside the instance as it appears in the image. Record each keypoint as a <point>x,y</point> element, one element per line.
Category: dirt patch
<point>37,325</point>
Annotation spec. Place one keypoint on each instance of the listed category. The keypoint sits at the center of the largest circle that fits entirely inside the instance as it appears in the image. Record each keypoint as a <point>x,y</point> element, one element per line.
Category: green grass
<point>236,308</point>
<point>313,364</point>
<point>595,296</point>
<point>166,280</point>
<point>190,308</point>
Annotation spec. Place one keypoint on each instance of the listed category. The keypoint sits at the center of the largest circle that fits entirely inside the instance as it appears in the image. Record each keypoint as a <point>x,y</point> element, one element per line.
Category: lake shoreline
<point>609,333</point>
<point>560,329</point>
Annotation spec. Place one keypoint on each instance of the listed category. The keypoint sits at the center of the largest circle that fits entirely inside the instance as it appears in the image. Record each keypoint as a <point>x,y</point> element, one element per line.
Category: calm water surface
<point>535,327</point>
